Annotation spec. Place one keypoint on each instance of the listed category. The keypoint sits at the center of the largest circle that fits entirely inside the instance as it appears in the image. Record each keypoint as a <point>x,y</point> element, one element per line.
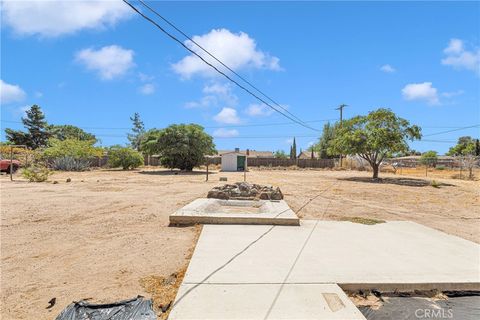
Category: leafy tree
<point>124,157</point>
<point>323,144</point>
<point>63,132</point>
<point>465,145</point>
<point>373,137</point>
<point>184,146</point>
<point>148,144</point>
<point>138,131</point>
<point>429,159</point>
<point>466,150</point>
<point>74,148</point>
<point>37,132</point>
<point>280,154</point>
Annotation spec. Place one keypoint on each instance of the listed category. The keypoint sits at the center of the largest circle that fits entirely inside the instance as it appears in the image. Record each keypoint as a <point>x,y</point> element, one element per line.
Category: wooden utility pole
<point>340,107</point>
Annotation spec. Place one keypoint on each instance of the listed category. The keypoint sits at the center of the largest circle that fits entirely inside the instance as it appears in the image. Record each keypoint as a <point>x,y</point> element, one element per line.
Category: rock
<point>264,196</point>
<point>245,191</point>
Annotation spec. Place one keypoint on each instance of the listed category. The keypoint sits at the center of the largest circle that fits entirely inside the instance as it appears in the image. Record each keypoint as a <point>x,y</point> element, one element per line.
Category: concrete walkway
<point>281,272</point>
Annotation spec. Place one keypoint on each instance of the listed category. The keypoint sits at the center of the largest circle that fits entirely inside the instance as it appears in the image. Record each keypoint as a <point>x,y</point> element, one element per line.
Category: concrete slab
<point>397,255</point>
<point>263,301</point>
<point>216,211</point>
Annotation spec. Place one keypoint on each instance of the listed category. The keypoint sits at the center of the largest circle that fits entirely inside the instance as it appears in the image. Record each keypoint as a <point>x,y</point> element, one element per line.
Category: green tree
<point>280,154</point>
<point>184,146</point>
<point>465,146</point>
<point>293,150</point>
<point>323,144</point>
<point>124,157</point>
<point>37,132</point>
<point>63,132</point>
<point>373,137</point>
<point>138,131</point>
<point>429,159</point>
<point>466,151</point>
<point>149,142</point>
<point>74,148</point>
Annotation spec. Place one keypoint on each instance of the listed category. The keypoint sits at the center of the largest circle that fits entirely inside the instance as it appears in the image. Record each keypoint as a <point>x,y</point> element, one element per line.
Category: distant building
<point>234,161</point>
<point>249,153</point>
<point>308,155</point>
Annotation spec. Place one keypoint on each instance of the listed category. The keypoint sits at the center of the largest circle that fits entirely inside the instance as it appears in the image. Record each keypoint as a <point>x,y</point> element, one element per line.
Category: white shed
<point>234,161</point>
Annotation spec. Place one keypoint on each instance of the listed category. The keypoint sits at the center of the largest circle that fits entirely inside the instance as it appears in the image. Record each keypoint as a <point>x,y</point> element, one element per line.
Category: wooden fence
<point>252,162</point>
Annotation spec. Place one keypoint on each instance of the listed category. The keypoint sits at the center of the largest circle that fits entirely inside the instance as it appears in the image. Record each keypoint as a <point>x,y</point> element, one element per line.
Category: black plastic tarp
<point>414,308</point>
<point>133,309</point>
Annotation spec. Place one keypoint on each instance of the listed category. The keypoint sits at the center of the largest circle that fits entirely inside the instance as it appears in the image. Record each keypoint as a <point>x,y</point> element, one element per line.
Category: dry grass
<point>163,290</point>
<point>105,235</point>
<point>367,221</point>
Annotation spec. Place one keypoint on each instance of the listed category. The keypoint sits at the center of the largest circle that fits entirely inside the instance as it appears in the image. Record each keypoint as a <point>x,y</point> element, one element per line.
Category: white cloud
<point>215,94</point>
<point>147,89</point>
<point>225,133</point>
<point>236,50</point>
<point>460,58</point>
<point>452,94</point>
<point>145,77</point>
<point>258,110</point>
<point>110,61</point>
<point>10,93</point>
<point>227,115</point>
<point>421,91</point>
<point>55,18</point>
<point>387,68</point>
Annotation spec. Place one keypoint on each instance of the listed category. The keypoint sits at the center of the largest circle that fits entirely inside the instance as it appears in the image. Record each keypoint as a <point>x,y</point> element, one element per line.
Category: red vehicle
<point>5,165</point>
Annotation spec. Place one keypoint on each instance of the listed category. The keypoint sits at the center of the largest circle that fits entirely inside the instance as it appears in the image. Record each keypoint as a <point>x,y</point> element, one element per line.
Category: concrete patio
<point>261,272</point>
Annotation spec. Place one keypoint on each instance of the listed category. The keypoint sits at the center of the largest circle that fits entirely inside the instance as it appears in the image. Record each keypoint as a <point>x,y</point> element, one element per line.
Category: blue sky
<point>94,64</point>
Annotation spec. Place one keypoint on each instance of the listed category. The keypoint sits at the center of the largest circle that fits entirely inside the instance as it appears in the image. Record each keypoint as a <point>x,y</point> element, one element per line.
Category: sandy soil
<point>98,236</point>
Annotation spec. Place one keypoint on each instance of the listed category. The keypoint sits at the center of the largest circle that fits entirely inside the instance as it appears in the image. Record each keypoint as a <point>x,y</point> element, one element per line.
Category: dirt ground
<point>102,234</point>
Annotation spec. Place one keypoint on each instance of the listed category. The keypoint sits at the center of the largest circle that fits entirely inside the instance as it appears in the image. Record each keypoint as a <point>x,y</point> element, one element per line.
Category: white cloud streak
<point>55,18</point>
<point>227,116</point>
<point>236,50</point>
<point>460,58</point>
<point>10,93</point>
<point>225,133</point>
<point>387,68</point>
<point>422,92</point>
<point>110,62</point>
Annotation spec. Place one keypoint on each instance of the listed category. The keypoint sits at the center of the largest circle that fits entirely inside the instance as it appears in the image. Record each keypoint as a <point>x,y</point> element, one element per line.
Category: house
<point>308,155</point>
<point>249,153</point>
<point>234,161</point>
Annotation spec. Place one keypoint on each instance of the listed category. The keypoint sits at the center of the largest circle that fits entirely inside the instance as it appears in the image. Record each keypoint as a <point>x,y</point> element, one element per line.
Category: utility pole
<point>340,107</point>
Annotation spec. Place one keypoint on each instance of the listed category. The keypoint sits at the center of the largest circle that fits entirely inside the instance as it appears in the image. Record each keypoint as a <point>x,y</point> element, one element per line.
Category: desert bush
<point>68,163</point>
<point>78,149</point>
<point>36,173</point>
<point>124,157</point>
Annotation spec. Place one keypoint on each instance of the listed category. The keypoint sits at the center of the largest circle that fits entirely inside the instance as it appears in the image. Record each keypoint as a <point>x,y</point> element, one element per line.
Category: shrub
<point>68,163</point>
<point>36,173</point>
<point>124,157</point>
<point>78,149</point>
<point>182,146</point>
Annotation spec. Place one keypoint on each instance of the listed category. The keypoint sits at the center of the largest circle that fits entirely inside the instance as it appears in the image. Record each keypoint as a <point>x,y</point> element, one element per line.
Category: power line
<point>206,127</point>
<point>218,60</point>
<point>447,131</point>
<point>217,70</point>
